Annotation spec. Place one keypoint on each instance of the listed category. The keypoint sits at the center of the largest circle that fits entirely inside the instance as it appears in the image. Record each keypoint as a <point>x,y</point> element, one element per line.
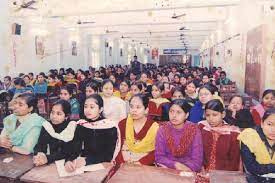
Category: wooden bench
<point>48,174</point>
<point>12,171</point>
<point>219,176</point>
<point>148,174</point>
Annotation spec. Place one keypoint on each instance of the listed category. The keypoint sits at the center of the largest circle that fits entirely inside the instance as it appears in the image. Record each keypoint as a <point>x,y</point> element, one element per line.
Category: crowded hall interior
<point>137,91</point>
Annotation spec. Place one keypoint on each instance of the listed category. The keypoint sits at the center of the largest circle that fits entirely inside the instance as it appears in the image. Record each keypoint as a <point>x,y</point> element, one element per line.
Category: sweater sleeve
<point>195,162</point>
<point>161,151</point>
<point>42,143</point>
<point>252,165</point>
<point>257,118</point>
<point>30,140</point>
<point>75,151</point>
<point>148,159</point>
<point>233,160</point>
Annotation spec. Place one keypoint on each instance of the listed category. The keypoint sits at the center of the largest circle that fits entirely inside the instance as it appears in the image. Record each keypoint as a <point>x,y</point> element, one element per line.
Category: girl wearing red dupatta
<point>268,101</point>
<point>156,103</point>
<point>220,144</point>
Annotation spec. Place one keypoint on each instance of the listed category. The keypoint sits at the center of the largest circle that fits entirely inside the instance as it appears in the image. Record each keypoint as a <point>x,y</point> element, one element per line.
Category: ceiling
<point>140,21</point>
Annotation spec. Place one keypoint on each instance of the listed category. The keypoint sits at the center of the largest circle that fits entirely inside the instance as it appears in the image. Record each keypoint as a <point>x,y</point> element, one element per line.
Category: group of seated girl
<point>179,143</point>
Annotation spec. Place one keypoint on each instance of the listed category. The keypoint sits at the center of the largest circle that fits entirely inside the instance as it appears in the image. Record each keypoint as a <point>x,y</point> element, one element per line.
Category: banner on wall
<point>40,45</point>
<point>255,63</point>
<point>155,53</point>
<point>174,51</point>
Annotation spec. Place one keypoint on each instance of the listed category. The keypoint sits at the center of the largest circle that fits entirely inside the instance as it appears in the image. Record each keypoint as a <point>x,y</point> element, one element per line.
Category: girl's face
<point>70,76</point>
<point>177,95</point>
<point>176,79</point>
<point>156,93</point>
<point>96,74</point>
<point>159,78</point>
<point>137,109</point>
<point>166,88</point>
<point>268,127</point>
<point>123,87</point>
<point>144,78</point>
<point>27,80</point>
<point>236,104</point>
<point>57,115</point>
<point>214,118</point>
<point>135,90</point>
<point>190,88</point>
<point>183,81</point>
<point>82,77</point>
<point>89,91</point>
<point>165,79</point>
<point>108,90</point>
<point>205,79</point>
<point>64,94</point>
<point>40,79</point>
<point>269,100</point>
<point>177,116</point>
<point>205,95</point>
<point>21,108</point>
<point>112,78</point>
<point>132,77</point>
<point>51,80</point>
<point>91,109</point>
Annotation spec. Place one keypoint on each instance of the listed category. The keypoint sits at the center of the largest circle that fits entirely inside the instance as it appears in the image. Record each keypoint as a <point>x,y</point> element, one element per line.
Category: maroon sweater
<point>227,150</point>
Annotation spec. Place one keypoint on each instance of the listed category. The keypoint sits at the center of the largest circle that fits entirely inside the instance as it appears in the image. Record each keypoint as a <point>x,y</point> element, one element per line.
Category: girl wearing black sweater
<point>55,137</point>
<point>96,138</point>
<point>237,115</point>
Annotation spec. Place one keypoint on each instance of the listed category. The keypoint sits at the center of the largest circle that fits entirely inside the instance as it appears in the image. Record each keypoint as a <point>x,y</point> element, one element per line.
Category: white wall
<point>5,39</point>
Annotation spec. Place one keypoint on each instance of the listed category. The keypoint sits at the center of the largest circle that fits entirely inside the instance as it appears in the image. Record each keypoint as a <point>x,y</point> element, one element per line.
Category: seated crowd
<point>169,116</point>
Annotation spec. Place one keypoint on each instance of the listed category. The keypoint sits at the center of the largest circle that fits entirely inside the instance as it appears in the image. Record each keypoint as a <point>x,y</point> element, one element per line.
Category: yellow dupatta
<point>160,101</point>
<point>147,144</point>
<point>253,141</point>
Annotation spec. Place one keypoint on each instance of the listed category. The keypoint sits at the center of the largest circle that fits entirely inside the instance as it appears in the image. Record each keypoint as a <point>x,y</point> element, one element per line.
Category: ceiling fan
<point>175,16</point>
<point>25,5</point>
<point>183,28</point>
<point>87,22</point>
<point>108,31</point>
<point>124,37</point>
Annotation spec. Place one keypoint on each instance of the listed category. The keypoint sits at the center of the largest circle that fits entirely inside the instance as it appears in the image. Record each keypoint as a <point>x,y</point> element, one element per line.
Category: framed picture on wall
<point>110,51</point>
<point>74,48</point>
<point>121,52</point>
<point>39,45</point>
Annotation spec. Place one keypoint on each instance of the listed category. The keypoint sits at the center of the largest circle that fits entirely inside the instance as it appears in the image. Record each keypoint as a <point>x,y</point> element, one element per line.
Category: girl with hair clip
<point>237,115</point>
<point>257,149</point>
<point>191,91</point>
<point>156,103</point>
<point>55,138</point>
<point>136,88</point>
<point>96,139</point>
<point>268,101</point>
<point>206,93</point>
<point>138,133</point>
<point>220,145</point>
<point>22,128</point>
<point>91,88</point>
<point>66,93</point>
<point>123,91</point>
<point>112,102</point>
<point>179,142</point>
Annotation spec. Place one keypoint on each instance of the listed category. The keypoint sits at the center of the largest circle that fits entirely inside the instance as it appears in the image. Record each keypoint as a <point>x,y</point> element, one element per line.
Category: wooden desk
<point>219,176</point>
<point>11,172</point>
<point>48,174</point>
<point>147,174</point>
